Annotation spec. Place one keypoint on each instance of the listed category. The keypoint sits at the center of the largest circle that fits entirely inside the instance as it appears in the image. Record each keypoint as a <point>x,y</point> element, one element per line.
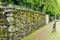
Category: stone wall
<point>19,23</point>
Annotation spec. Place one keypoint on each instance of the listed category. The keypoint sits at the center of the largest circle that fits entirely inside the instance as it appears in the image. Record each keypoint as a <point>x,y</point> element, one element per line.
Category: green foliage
<point>58,16</point>
<point>46,6</point>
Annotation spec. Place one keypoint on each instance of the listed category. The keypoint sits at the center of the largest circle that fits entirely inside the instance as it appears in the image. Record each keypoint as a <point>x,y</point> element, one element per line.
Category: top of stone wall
<point>17,7</point>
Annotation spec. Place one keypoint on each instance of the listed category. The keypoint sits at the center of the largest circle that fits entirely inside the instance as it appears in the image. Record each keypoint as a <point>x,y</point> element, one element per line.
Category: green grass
<point>32,35</point>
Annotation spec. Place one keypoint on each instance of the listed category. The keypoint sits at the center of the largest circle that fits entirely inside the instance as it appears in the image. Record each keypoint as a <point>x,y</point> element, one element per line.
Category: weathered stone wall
<point>17,24</point>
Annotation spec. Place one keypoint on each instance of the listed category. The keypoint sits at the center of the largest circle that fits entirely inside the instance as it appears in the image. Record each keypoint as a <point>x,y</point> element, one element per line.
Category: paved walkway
<point>46,34</point>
